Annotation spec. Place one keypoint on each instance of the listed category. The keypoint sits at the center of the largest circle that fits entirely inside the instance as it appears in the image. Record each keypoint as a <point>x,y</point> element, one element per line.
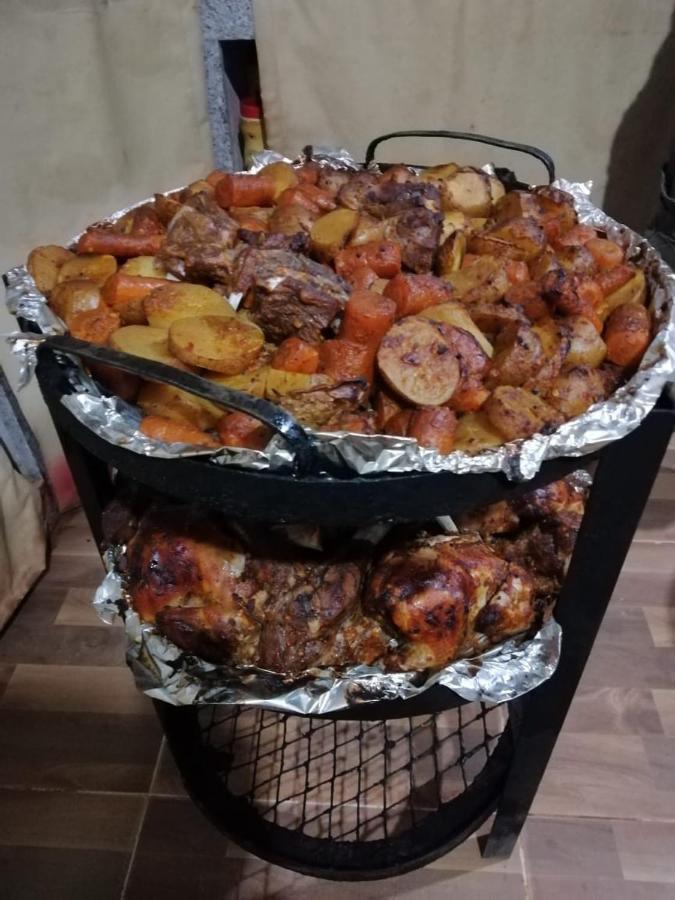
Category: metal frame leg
<point>621,487</point>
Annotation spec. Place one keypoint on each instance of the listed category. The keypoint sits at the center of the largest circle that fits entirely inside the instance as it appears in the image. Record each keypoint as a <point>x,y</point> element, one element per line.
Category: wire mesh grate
<point>349,780</point>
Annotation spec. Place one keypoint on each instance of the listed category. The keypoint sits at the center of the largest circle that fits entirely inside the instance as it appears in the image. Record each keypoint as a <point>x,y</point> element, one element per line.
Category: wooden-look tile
<point>660,752</point>
<point>77,751</point>
<point>96,689</point>
<point>76,609</point>
<point>63,645</point>
<point>543,888</point>
<point>648,576</point>
<point>570,848</point>
<point>5,674</point>
<point>614,710</point>
<point>661,624</point>
<point>646,850</point>
<point>658,521</point>
<point>665,704</point>
<point>37,873</point>
<point>59,819</point>
<point>73,536</point>
<point>167,780</point>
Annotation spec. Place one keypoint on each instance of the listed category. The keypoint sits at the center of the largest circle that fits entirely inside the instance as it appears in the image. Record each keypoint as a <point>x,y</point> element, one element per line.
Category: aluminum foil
<point>602,423</point>
<point>165,672</point>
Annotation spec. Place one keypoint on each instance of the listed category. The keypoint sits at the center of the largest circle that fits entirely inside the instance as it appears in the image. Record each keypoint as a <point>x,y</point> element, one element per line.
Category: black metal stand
<point>382,788</point>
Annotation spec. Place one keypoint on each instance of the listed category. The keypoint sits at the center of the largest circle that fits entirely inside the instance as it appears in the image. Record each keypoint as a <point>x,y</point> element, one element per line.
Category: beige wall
<point>101,104</point>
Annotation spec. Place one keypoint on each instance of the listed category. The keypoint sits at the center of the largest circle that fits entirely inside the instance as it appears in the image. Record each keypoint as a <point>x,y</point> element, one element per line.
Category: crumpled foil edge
<point>602,423</point>
<point>165,672</point>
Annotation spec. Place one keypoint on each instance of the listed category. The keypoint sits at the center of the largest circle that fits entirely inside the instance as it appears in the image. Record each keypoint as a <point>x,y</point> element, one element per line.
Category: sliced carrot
<point>607,254</point>
<point>171,432</point>
<point>295,355</point>
<point>434,428</point>
<point>102,240</point>
<point>245,190</point>
<point>414,293</point>
<point>627,334</point>
<point>367,317</point>
<point>237,429</point>
<point>125,293</point>
<point>344,360</point>
<point>383,257</point>
<point>516,271</point>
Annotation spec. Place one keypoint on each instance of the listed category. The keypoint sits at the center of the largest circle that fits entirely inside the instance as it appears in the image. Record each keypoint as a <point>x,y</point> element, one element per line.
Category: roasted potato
<point>282,174</point>
<point>437,173</point>
<point>179,300</point>
<point>44,264</point>
<point>94,325</point>
<point>92,266</point>
<point>330,233</point>
<point>517,357</point>
<point>515,204</point>
<point>218,343</point>
<point>292,219</point>
<point>475,432</point>
<point>497,189</point>
<point>252,382</point>
<point>72,297</point>
<point>453,220</point>
<point>518,413</point>
<point>279,382</point>
<point>635,291</point>
<point>467,190</point>
<point>587,348</point>
<point>157,399</point>
<point>451,254</point>
<point>369,229</point>
<point>456,314</point>
<point>485,279</point>
<point>492,317</point>
<point>147,266</point>
<point>150,343</point>
<point>627,333</point>
<point>575,390</point>
<point>519,239</point>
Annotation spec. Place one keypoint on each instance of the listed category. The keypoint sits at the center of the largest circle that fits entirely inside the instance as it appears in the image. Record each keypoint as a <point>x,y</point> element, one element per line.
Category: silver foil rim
<point>164,672</point>
<point>602,423</point>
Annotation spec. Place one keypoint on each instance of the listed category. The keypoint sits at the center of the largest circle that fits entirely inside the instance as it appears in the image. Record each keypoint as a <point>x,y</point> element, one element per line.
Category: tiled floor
<point>92,807</point>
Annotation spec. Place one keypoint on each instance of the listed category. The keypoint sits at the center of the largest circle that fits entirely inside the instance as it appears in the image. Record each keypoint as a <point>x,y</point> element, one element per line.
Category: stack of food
<point>432,305</point>
<point>413,602</point>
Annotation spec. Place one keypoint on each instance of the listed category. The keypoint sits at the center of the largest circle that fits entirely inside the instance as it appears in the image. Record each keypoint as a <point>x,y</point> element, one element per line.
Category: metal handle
<point>296,437</point>
<point>541,155</point>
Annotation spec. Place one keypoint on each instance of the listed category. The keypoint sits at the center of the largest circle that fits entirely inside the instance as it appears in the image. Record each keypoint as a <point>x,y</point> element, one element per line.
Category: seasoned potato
<point>453,220</point>
<point>518,413</point>
<point>451,253</point>
<point>369,229</point>
<point>72,297</point>
<point>331,232</point>
<point>519,239</point>
<point>91,266</point>
<point>467,190</point>
<point>292,219</point>
<point>575,390</point>
<point>492,317</point>
<point>94,325</point>
<point>518,355</point>
<point>485,279</point>
<point>179,300</point>
<point>555,342</point>
<point>497,189</point>
<point>456,314</point>
<point>282,174</point>
<point>147,266</point>
<point>281,382</point>
<point>635,291</point>
<point>44,264</point>
<point>587,348</point>
<point>436,173</point>
<point>219,343</point>
<point>515,204</point>
<point>475,432</point>
<point>150,343</point>
<point>252,382</point>
<point>164,400</point>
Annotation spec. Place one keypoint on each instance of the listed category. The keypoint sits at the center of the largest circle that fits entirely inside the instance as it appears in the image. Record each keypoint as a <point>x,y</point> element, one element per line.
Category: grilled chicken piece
<point>199,240</point>
<point>290,295</point>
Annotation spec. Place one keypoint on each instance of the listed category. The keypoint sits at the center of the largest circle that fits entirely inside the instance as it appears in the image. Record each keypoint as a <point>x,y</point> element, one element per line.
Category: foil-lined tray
<point>609,420</point>
<point>165,672</point>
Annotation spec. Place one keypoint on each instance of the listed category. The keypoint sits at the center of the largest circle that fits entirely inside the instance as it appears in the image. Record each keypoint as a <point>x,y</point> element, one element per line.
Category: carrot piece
<point>399,423</point>
<point>102,240</point>
<point>323,199</point>
<point>296,196</point>
<point>627,334</point>
<point>414,293</point>
<point>245,190</point>
<point>433,427</point>
<point>383,257</point>
<point>528,296</point>
<point>367,317</point>
<point>362,278</point>
<point>577,236</point>
<point>516,271</point>
<point>607,254</point>
<point>612,279</point>
<point>162,429</point>
<point>295,355</point>
<point>237,429</point>
<point>214,177</point>
<point>95,325</point>
<point>125,293</point>
<point>344,360</point>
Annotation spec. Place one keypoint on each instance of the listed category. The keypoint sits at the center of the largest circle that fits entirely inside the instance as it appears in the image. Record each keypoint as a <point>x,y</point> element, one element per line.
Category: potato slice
<point>469,191</point>
<point>254,382</point>
<point>150,343</point>
<point>497,189</point>
<point>484,280</point>
<point>369,229</point>
<point>520,239</point>
<point>282,174</point>
<point>515,204</point>
<point>44,264</point>
<point>518,413</point>
<point>219,343</point>
<point>72,297</point>
<point>147,266</point>
<point>92,266</point>
<point>453,221</point>
<point>331,232</point>
<point>475,432</point>
<point>456,314</point>
<point>587,348</point>
<point>575,390</point>
<point>451,253</point>
<point>164,400</point>
<point>178,300</point>
<point>634,291</point>
<point>436,173</point>
<point>282,382</point>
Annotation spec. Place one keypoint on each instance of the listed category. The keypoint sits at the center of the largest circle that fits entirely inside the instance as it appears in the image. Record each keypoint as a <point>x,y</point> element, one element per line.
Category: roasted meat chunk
<point>199,240</point>
<point>389,198</point>
<point>418,230</point>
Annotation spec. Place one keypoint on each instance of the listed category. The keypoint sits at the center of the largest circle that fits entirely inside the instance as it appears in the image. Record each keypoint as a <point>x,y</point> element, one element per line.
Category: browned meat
<point>199,240</point>
<point>291,295</point>
<point>333,180</point>
<point>263,240</point>
<point>320,405</point>
<point>389,198</point>
<point>353,193</point>
<point>216,632</point>
<point>418,231</point>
